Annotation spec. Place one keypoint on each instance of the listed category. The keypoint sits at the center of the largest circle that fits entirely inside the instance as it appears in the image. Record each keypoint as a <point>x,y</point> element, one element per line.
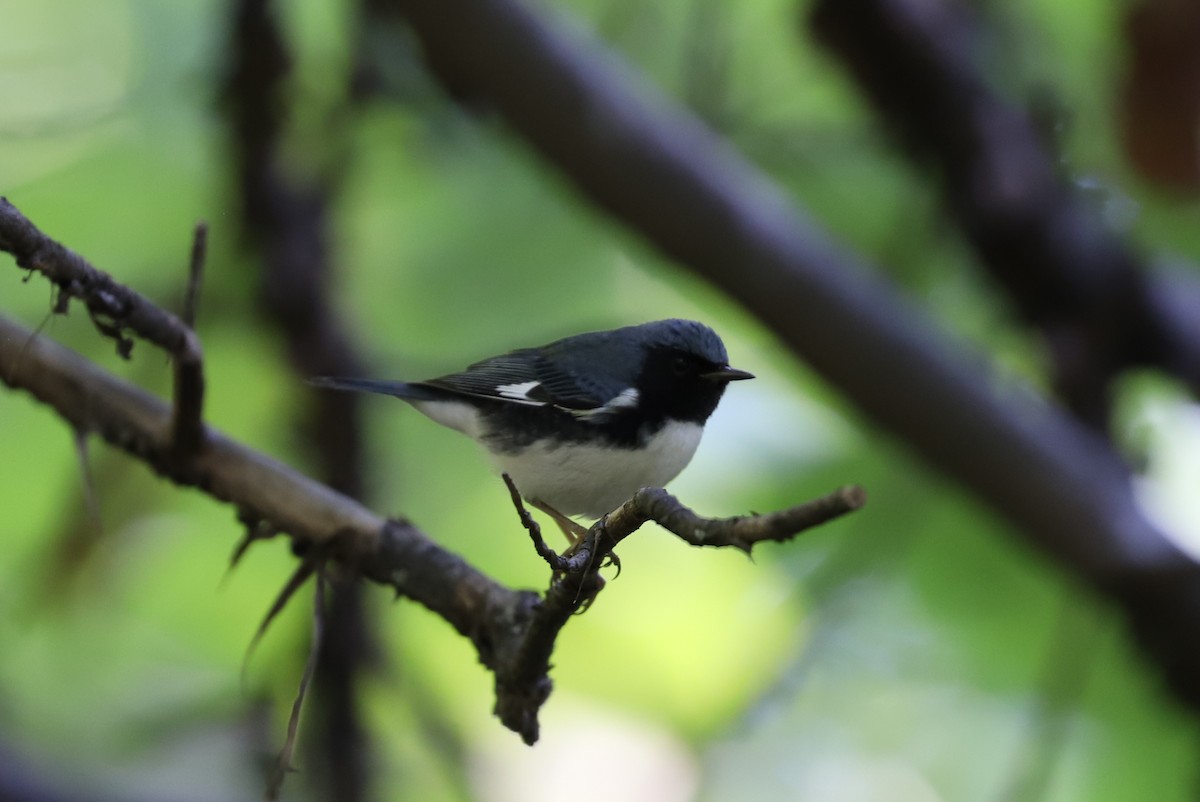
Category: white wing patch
<point>626,399</point>
<point>519,392</point>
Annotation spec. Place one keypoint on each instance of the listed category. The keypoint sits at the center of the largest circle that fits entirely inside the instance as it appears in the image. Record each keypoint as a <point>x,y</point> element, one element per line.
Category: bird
<point>582,423</point>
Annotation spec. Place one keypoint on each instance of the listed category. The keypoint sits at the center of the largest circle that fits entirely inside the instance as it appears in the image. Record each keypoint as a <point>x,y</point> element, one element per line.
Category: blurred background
<point>911,652</point>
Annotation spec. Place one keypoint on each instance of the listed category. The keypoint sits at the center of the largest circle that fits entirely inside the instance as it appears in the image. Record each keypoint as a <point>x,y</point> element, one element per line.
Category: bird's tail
<point>398,389</point>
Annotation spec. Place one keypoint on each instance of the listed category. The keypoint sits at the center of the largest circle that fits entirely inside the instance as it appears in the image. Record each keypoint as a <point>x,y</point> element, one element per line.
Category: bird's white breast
<point>591,480</point>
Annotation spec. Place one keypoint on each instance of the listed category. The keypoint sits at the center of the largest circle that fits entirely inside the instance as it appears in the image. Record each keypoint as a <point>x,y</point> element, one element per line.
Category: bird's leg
<point>572,530</point>
<point>574,533</point>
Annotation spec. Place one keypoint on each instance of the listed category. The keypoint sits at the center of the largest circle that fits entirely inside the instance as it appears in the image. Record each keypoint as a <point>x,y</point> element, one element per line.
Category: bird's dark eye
<point>681,366</point>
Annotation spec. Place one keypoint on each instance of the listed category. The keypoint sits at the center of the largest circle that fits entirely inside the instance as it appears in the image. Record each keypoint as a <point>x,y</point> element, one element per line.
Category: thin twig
<point>283,764</point>
<point>188,425</point>
<point>6,372</point>
<point>191,297</point>
<point>742,532</point>
<point>91,502</point>
<point>188,422</point>
<point>311,564</point>
<point>535,530</point>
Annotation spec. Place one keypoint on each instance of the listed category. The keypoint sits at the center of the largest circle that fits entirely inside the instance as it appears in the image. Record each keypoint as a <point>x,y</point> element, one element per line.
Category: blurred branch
<point>285,221</point>
<point>1099,306</point>
<point>283,763</point>
<point>1159,102</point>
<point>26,780</point>
<point>1091,296</point>
<point>1068,663</point>
<point>652,166</point>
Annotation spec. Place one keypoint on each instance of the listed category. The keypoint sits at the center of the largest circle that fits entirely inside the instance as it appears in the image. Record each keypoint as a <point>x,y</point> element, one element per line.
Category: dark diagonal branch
<point>114,309</point>
<point>635,155</point>
<point>1095,302</point>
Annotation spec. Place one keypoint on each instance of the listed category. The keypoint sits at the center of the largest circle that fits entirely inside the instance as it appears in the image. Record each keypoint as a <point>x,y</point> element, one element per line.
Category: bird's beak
<point>726,374</point>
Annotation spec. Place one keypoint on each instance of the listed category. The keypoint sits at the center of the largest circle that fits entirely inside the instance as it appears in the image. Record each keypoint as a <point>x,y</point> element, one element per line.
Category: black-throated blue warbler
<point>582,423</point>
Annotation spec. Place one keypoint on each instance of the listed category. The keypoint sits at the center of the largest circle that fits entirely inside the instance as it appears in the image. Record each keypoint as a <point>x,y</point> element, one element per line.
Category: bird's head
<point>684,369</point>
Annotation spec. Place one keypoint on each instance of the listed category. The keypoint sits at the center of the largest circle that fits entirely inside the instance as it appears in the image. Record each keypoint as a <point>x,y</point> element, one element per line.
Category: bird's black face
<point>681,385</point>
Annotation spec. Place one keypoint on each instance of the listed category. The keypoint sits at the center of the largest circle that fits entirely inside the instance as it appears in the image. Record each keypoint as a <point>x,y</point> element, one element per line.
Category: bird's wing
<point>528,377</point>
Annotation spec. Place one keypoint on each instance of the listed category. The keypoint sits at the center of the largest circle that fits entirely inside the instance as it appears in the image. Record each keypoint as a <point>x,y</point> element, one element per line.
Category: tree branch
<point>114,309</point>
<point>391,552</point>
<point>742,532</point>
<point>1094,300</point>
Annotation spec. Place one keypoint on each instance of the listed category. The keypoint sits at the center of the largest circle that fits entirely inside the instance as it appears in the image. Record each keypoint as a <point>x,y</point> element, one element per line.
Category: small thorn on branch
<point>256,528</point>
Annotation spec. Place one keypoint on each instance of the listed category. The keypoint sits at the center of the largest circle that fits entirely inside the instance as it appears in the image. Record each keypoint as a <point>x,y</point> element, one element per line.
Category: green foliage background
<point>913,651</point>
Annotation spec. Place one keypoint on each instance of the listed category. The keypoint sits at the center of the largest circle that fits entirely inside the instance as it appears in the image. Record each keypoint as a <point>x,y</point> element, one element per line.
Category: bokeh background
<point>911,652</point>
